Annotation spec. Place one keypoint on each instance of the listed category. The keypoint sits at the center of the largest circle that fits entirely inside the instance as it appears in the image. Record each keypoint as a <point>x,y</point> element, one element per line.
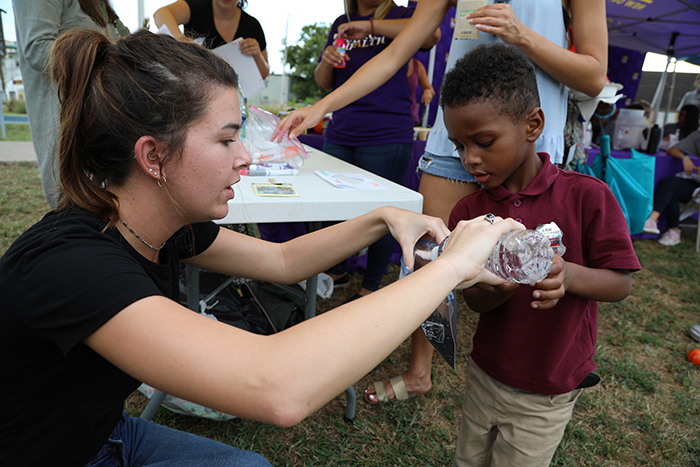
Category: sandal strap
<point>399,388</point>
<point>380,391</point>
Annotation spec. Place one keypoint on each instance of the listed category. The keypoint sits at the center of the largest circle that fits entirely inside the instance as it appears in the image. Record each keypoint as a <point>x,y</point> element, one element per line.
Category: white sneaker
<point>695,332</point>
<point>670,237</point>
<point>651,228</point>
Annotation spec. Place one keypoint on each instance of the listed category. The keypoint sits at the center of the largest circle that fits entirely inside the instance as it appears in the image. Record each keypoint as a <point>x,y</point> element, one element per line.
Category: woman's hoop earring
<point>152,158</point>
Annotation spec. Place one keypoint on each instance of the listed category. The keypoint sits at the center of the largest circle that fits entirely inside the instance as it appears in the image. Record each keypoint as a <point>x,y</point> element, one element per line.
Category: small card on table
<point>274,189</point>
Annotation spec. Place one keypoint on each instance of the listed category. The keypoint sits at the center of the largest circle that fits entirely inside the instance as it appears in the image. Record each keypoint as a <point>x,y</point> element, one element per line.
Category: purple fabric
<point>625,67</point>
<point>382,116</point>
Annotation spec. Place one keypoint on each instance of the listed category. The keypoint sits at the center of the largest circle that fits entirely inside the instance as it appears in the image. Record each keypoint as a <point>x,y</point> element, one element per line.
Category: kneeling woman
<point>149,148</point>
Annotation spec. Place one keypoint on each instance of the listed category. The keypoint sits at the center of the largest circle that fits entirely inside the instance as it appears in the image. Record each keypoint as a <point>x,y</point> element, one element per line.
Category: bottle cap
<point>694,356</point>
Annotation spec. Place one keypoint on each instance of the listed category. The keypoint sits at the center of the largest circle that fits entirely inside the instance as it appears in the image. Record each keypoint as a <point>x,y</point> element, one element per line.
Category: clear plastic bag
<point>259,127</point>
<point>183,407</point>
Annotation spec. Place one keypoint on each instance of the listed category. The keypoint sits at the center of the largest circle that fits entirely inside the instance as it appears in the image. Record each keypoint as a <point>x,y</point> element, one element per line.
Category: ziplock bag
<point>441,326</point>
<point>258,129</point>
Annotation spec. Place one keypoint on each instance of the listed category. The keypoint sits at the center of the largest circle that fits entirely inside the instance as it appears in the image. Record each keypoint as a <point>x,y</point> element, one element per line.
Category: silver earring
<point>152,158</point>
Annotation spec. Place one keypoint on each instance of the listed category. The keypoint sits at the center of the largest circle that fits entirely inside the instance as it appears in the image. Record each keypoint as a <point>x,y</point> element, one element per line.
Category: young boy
<point>533,347</point>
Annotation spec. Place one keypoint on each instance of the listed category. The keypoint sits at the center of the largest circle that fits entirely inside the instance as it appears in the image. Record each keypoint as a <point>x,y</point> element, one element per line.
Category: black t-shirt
<point>202,24</point>
<point>59,282</point>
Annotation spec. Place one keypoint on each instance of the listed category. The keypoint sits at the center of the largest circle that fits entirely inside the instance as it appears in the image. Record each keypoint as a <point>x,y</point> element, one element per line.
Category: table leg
<point>193,304</point>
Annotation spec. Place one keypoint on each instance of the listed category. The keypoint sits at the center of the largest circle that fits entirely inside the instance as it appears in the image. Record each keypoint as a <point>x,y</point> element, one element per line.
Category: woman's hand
<point>297,121</point>
<point>331,58</point>
<point>470,245</point>
<point>500,20</point>
<point>428,95</point>
<point>688,166</point>
<point>355,30</point>
<point>407,227</point>
<point>249,46</point>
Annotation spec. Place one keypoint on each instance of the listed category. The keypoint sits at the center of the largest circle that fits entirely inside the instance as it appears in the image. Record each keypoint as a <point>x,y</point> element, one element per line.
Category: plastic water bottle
<point>524,256</point>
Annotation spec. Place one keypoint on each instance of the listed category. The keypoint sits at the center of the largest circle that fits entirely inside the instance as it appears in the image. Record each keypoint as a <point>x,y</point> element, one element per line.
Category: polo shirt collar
<point>543,180</point>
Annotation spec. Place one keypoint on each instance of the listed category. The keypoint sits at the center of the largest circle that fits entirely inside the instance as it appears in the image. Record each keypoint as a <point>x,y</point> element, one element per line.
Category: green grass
<point>645,412</point>
<point>17,132</point>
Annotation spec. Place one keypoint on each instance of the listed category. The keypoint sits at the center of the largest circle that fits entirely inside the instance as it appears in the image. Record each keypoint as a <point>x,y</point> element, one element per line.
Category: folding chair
<point>692,207</point>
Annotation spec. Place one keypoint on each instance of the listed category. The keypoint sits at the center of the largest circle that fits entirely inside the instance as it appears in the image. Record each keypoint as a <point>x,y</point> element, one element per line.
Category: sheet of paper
<point>464,30</point>
<point>165,30</point>
<point>249,76</point>
<point>351,181</point>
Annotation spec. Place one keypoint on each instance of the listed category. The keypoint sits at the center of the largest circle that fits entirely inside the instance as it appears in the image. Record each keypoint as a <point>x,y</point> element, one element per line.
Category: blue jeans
<point>386,160</point>
<point>136,442</point>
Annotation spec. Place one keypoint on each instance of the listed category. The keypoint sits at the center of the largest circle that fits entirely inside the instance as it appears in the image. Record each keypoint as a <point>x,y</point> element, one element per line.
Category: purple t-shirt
<point>550,351</point>
<point>382,116</point>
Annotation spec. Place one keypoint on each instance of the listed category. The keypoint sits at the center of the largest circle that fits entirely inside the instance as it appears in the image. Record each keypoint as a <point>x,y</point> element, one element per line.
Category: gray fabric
<point>690,144</point>
<point>38,23</point>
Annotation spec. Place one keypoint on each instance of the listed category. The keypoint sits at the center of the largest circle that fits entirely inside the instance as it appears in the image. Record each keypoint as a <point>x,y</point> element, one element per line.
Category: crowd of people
<point>138,141</point>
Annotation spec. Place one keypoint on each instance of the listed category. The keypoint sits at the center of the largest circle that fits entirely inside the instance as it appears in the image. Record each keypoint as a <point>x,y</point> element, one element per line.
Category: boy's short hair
<point>494,72</point>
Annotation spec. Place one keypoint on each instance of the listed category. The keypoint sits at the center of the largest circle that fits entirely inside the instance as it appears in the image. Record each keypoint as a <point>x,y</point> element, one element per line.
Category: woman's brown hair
<point>112,94</point>
<point>379,13</point>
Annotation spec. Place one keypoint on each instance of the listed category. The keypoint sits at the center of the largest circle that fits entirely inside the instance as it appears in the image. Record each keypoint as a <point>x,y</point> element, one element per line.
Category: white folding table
<point>318,201</point>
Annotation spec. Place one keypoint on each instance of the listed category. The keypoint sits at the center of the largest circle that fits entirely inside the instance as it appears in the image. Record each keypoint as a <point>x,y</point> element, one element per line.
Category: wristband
<point>371,26</point>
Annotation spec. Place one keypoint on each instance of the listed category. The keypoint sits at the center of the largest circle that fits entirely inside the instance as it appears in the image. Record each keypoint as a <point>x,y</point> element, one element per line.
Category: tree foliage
<point>302,59</point>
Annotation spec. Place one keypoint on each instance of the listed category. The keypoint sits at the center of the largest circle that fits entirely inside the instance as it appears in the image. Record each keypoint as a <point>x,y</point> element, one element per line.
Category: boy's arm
<point>602,285</point>
<point>483,298</point>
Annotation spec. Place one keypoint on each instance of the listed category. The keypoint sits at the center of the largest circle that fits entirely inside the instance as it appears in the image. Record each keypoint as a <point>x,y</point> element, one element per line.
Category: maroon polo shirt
<point>550,351</point>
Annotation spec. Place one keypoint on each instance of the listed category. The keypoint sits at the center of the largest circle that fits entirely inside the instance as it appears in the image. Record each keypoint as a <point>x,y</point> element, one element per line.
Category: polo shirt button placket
<point>517,204</point>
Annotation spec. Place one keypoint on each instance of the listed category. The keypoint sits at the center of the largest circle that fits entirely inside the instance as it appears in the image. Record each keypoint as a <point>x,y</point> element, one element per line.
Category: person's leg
<point>137,442</point>
<point>389,161</point>
<point>444,181</point>
<point>344,153</point>
<point>502,425</point>
<point>682,193</point>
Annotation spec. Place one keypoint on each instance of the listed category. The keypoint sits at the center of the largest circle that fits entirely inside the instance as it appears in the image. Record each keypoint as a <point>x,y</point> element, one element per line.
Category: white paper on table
<point>354,181</point>
<point>249,76</point>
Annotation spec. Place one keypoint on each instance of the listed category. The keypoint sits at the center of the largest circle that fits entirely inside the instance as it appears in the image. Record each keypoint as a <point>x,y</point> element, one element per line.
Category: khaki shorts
<point>504,426</point>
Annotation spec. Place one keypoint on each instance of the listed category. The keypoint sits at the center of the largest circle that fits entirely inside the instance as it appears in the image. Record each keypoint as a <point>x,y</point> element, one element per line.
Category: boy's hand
<point>548,292</point>
<point>500,287</point>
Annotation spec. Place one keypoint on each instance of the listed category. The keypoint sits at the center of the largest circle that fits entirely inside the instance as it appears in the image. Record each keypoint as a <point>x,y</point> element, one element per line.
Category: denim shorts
<point>444,166</point>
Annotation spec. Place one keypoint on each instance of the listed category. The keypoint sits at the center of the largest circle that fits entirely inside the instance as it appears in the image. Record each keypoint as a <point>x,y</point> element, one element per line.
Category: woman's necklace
<point>139,237</point>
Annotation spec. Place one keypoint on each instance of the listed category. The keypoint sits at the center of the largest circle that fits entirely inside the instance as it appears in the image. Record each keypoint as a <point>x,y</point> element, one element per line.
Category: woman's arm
<point>583,70</point>
<point>173,16</point>
<point>382,27</point>
<point>305,256</point>
<point>426,19</point>
<point>425,84</point>
<point>283,378</point>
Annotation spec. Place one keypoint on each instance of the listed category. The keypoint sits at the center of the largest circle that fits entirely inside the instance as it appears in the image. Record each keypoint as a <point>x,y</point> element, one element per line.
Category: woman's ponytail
<point>77,57</point>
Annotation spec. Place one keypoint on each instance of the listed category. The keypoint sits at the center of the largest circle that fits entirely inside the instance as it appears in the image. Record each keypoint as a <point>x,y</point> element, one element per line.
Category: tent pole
<point>670,92</point>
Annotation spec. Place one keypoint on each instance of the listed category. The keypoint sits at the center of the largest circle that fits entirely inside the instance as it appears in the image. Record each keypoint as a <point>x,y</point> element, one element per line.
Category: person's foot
<point>650,227</point>
<point>339,281</point>
<point>670,237</point>
<point>397,388</point>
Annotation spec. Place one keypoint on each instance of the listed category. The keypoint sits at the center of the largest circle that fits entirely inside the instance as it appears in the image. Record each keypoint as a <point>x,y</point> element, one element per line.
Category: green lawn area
<point>645,412</point>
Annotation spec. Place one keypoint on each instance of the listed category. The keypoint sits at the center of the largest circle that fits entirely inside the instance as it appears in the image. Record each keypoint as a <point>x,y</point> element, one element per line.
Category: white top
<point>547,19</point>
